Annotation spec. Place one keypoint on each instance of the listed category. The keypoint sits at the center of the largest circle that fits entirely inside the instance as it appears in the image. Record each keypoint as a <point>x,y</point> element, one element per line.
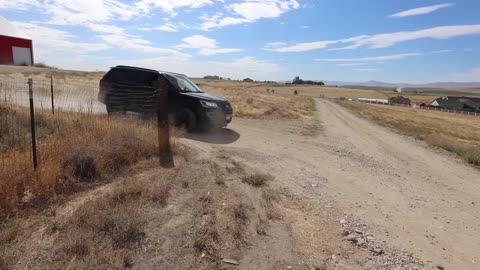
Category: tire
<point>187,120</point>
<point>113,110</point>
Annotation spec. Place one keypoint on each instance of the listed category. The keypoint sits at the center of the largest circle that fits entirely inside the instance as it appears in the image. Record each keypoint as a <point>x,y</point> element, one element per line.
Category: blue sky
<point>348,40</point>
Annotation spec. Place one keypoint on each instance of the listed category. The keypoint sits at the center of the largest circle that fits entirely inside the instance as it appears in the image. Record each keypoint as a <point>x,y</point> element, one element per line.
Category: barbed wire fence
<point>49,125</point>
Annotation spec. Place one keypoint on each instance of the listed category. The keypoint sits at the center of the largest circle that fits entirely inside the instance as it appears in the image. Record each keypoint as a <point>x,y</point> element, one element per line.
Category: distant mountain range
<point>442,85</point>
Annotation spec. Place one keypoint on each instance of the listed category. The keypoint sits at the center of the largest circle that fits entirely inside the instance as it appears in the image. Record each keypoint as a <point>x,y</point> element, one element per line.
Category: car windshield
<point>183,84</point>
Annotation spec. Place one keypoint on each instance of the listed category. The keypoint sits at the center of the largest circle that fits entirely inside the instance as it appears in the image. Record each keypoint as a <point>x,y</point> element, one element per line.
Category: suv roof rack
<point>168,72</point>
<point>151,70</point>
<point>140,68</point>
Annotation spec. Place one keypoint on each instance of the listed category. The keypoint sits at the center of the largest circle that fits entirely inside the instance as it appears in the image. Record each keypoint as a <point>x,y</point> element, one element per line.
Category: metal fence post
<point>32,124</point>
<point>51,93</point>
<point>165,151</point>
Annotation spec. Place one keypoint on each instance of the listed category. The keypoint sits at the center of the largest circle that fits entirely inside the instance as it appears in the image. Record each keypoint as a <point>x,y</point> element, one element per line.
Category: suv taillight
<point>101,83</point>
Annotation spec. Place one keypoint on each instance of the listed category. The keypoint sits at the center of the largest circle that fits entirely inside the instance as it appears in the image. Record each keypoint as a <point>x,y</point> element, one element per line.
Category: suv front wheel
<point>187,120</point>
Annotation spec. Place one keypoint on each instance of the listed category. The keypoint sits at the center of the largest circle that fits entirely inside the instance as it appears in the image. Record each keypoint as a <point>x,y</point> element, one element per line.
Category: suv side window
<point>130,77</point>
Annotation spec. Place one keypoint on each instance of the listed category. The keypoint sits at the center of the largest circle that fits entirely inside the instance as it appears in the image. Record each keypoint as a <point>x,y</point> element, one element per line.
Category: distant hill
<point>442,85</point>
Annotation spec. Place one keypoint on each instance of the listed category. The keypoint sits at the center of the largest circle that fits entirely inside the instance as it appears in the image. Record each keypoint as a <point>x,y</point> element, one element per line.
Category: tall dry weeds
<point>72,147</point>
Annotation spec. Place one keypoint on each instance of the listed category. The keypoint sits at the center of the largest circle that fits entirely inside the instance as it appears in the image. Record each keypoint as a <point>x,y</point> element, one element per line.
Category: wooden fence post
<point>164,148</point>
<point>32,124</point>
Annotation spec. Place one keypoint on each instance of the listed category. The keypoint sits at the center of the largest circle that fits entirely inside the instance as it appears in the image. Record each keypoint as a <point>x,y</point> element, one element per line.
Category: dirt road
<point>411,196</point>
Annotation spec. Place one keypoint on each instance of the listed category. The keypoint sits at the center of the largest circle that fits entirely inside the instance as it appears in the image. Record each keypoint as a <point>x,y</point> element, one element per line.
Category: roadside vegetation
<point>73,149</point>
<point>455,133</point>
<point>181,214</point>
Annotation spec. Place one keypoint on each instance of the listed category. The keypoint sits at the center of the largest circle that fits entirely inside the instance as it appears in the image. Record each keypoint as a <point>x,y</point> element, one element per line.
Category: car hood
<point>204,96</point>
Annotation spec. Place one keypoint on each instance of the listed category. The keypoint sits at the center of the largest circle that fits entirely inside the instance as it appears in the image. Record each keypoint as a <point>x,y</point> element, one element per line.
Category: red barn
<point>15,47</point>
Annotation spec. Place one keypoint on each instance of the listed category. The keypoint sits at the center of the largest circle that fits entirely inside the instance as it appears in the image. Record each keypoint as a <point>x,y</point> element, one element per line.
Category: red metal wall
<point>6,43</point>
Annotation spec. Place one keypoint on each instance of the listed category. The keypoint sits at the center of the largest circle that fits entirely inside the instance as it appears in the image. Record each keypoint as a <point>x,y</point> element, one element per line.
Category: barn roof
<point>8,29</point>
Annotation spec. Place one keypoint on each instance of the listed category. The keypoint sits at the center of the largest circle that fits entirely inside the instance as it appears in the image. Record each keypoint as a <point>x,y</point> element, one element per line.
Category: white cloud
<point>18,4</point>
<point>167,27</point>
<point>390,39</point>
<point>275,45</point>
<point>350,64</point>
<point>46,38</point>
<point>366,69</point>
<point>170,6</point>
<point>420,11</point>
<point>249,11</point>
<point>373,58</point>
<point>104,28</point>
<point>140,45</point>
<point>442,51</point>
<point>257,9</point>
<point>218,20</point>
<point>300,47</point>
<point>205,45</point>
<point>305,26</point>
<point>472,75</point>
<point>75,12</point>
<point>385,40</point>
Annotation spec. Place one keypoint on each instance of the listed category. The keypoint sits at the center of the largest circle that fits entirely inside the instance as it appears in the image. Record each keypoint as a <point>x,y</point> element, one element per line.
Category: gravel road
<point>410,196</point>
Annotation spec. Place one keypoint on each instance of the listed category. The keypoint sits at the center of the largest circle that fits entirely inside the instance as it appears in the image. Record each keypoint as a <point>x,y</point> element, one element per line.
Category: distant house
<point>247,80</point>
<point>399,100</point>
<point>470,104</point>
<point>373,100</point>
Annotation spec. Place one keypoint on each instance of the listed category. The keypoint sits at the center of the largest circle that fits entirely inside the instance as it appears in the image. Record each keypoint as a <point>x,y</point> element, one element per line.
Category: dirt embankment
<point>205,214</point>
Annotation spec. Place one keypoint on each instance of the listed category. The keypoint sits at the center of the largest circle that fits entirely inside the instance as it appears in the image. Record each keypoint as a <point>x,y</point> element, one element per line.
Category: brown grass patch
<point>249,103</point>
<point>125,191</point>
<point>206,238</point>
<point>270,195</point>
<point>72,148</point>
<point>9,230</point>
<point>159,193</point>
<point>3,265</point>
<point>456,133</point>
<point>121,224</point>
<point>257,179</point>
<point>240,212</point>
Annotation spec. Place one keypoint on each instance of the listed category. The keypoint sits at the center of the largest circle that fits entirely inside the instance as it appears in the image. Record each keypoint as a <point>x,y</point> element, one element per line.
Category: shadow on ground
<point>221,136</point>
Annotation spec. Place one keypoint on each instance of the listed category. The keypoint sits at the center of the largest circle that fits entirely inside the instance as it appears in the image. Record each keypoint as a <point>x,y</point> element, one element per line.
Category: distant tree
<point>297,80</point>
<point>214,77</point>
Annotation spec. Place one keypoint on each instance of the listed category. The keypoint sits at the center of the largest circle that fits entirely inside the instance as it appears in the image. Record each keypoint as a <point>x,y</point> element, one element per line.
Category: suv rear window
<point>130,76</point>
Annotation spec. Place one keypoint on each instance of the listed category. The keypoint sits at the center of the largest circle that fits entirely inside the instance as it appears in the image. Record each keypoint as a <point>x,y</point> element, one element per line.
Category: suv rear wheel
<point>115,109</point>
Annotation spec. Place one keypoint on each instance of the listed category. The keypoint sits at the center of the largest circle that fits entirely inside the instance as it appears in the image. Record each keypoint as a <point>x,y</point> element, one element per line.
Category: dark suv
<point>132,89</point>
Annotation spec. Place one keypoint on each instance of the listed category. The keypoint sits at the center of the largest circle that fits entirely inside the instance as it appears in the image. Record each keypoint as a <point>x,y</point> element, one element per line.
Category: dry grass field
<point>72,148</point>
<point>248,102</point>
<point>456,133</point>
<point>312,91</point>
